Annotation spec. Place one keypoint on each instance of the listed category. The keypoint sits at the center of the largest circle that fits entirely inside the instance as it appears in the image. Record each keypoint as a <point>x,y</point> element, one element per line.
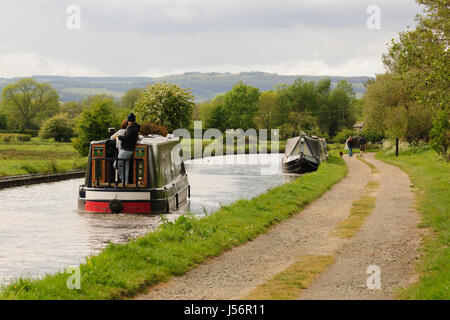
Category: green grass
<point>431,178</point>
<point>288,284</point>
<point>360,209</point>
<point>125,270</point>
<point>37,156</point>
<point>373,169</point>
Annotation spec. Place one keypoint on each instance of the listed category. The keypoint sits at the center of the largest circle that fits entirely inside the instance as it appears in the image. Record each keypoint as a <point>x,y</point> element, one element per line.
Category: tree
<point>59,127</point>
<point>93,124</point>
<point>203,110</point>
<point>27,102</point>
<point>239,104</point>
<point>130,97</point>
<point>422,56</point>
<point>218,119</point>
<point>340,111</point>
<point>440,133</point>
<point>72,109</point>
<point>166,104</point>
<point>268,105</point>
<point>389,110</point>
<point>311,107</point>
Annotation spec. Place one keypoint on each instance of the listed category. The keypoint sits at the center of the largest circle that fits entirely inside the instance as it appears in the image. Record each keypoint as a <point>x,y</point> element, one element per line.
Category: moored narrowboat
<point>304,154</point>
<point>157,183</point>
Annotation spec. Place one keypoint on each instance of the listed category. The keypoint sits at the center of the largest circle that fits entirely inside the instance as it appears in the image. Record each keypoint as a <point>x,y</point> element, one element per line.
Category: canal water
<point>42,232</point>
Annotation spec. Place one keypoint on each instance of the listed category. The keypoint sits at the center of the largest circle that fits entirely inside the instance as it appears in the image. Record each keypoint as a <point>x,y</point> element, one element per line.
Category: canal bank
<point>176,247</point>
<point>29,179</point>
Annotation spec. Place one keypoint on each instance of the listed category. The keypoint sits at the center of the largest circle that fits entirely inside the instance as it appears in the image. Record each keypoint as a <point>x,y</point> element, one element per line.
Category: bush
<point>93,124</point>
<point>58,127</point>
<point>404,147</point>
<point>153,128</point>
<point>372,136</point>
<point>343,135</point>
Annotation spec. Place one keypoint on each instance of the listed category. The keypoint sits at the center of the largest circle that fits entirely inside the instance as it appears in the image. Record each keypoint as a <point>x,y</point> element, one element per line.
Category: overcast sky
<point>161,37</point>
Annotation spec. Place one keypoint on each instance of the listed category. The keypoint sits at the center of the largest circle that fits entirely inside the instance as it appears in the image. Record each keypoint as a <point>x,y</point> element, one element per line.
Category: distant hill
<point>204,86</point>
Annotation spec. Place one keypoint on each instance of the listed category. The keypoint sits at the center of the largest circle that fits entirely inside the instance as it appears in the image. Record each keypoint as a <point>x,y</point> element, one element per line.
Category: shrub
<point>343,135</point>
<point>93,124</point>
<point>404,147</point>
<point>372,136</point>
<point>153,128</point>
<point>58,127</point>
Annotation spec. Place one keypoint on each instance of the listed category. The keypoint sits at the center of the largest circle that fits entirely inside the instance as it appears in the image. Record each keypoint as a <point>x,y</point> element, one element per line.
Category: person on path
<point>362,146</point>
<point>350,146</point>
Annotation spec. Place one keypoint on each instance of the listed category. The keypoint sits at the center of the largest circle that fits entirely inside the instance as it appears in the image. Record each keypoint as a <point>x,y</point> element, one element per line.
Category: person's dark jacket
<point>362,141</point>
<point>350,143</point>
<point>130,137</point>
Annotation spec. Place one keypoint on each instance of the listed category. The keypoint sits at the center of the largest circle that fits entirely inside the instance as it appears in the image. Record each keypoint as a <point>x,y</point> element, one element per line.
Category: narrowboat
<point>158,182</point>
<point>304,154</point>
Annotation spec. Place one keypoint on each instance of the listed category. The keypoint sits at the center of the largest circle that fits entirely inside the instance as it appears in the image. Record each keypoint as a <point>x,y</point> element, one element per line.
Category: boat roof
<point>290,145</point>
<point>154,140</point>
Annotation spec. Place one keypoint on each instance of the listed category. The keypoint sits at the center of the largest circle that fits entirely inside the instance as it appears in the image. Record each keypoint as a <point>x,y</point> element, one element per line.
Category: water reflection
<point>42,232</point>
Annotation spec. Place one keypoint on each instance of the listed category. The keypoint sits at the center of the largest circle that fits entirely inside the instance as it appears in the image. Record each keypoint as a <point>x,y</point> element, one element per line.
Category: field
<point>37,156</point>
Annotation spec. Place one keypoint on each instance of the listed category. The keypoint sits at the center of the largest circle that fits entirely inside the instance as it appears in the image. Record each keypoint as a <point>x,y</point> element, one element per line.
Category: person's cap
<point>131,117</point>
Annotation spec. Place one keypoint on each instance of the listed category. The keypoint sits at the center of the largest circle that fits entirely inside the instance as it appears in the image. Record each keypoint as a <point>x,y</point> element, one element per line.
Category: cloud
<point>163,36</point>
<point>29,64</point>
<point>361,66</point>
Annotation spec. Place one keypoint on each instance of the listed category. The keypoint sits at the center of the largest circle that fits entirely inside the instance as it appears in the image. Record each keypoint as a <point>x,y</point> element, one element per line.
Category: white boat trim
<point>111,195</point>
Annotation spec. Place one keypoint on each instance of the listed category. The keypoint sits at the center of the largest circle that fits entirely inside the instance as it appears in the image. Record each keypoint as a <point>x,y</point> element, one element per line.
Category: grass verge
<point>288,284</point>
<point>361,208</point>
<point>128,269</point>
<point>431,179</point>
<point>373,169</point>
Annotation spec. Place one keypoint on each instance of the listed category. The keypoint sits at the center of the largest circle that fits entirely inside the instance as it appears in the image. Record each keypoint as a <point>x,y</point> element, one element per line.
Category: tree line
<point>311,107</point>
<point>411,100</point>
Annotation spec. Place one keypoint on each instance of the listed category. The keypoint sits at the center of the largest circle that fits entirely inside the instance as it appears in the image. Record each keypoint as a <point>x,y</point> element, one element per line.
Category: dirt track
<point>389,239</point>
